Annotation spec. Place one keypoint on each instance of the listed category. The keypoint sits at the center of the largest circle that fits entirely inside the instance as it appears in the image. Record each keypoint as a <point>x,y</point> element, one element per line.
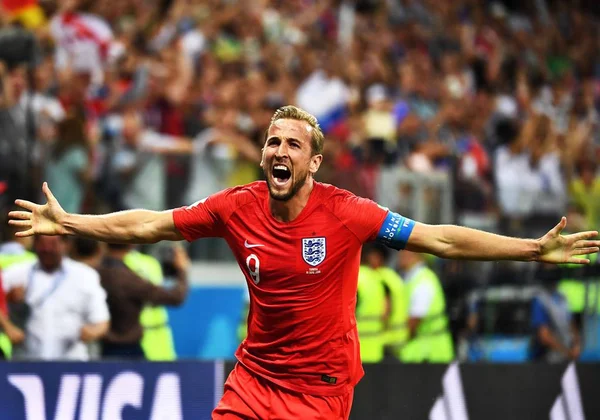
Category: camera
<point>18,46</point>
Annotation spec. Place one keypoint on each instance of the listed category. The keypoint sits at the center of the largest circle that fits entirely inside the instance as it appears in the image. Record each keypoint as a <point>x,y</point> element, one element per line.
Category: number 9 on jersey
<point>253,265</point>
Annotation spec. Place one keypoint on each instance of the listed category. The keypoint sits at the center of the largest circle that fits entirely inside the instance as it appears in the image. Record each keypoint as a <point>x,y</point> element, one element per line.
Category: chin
<point>278,195</point>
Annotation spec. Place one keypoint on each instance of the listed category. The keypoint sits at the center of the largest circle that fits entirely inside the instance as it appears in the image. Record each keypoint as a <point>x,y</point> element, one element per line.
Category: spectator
<point>65,306</point>
<point>127,294</point>
<point>395,310</point>
<point>379,127</point>
<point>68,167</point>
<point>139,162</point>
<point>83,39</point>
<point>9,333</point>
<point>528,171</point>
<point>555,337</point>
<point>585,193</point>
<point>15,152</point>
<point>430,339</point>
<point>13,251</point>
<point>371,312</point>
<point>157,341</point>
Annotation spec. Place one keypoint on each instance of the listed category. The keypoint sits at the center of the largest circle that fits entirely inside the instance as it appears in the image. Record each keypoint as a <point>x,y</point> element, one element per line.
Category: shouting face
<point>287,158</point>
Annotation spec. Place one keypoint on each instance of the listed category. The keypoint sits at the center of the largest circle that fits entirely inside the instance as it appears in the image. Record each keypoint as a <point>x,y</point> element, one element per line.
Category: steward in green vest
<point>370,315</point>
<point>157,341</point>
<point>11,253</point>
<point>430,338</point>
<point>395,327</point>
<point>396,332</point>
<point>574,288</point>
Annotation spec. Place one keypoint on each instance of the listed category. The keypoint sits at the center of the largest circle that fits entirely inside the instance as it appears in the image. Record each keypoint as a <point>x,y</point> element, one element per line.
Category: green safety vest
<point>396,327</point>
<point>574,289</point>
<point>8,260</point>
<point>157,341</point>
<point>432,341</point>
<point>370,310</point>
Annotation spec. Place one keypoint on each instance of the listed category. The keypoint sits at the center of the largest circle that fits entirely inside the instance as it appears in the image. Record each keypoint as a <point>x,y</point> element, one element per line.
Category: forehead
<point>48,240</point>
<point>287,128</point>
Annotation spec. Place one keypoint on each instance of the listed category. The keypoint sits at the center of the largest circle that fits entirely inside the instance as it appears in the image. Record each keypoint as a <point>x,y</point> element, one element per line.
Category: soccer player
<point>298,243</point>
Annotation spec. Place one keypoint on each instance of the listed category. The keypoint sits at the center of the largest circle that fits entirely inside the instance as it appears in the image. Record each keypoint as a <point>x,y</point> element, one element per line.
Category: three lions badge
<point>313,250</point>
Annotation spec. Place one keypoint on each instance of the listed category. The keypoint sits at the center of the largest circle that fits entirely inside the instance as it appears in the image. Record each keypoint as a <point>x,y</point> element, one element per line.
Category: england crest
<point>313,250</point>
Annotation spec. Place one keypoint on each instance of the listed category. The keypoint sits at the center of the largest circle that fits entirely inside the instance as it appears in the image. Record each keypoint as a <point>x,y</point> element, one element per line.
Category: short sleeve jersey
<point>3,305</point>
<point>302,280</point>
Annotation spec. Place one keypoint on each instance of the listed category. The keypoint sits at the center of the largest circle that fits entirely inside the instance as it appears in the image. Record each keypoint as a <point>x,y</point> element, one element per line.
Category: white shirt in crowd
<point>523,189</point>
<point>422,296</point>
<point>83,42</point>
<point>61,303</point>
<point>320,94</point>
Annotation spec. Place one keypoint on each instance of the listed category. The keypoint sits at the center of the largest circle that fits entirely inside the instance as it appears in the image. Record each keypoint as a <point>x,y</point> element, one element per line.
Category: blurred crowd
<point>156,103</point>
<point>159,103</point>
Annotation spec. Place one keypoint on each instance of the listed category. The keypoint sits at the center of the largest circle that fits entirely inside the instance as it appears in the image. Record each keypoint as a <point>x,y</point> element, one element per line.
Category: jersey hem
<point>300,389</point>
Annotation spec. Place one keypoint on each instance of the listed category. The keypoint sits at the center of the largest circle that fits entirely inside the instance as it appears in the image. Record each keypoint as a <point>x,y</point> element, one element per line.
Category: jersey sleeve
<point>363,217</point>
<point>205,218</point>
<point>3,307</point>
<point>371,222</point>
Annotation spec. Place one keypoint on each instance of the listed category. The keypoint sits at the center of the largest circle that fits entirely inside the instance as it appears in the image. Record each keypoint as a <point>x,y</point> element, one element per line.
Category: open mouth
<point>281,174</point>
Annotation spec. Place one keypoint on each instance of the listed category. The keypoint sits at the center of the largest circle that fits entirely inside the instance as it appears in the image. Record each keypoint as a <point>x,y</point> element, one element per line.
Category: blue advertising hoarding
<point>109,390</point>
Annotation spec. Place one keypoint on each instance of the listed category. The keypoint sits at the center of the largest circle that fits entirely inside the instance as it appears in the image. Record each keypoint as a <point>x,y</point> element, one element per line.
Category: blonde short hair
<point>294,113</point>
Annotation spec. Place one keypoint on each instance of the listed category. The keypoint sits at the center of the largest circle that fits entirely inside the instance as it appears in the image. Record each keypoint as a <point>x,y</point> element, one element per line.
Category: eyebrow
<point>279,138</point>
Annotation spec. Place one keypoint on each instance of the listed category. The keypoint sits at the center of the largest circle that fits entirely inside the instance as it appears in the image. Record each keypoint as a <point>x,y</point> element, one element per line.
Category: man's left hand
<point>556,248</point>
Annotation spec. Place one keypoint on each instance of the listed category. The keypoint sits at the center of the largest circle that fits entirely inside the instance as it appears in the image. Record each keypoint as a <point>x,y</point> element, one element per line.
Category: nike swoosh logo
<point>247,245</point>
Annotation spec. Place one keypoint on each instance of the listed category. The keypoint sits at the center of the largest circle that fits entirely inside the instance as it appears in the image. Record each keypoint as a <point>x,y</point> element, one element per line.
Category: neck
<point>287,211</point>
<point>50,269</point>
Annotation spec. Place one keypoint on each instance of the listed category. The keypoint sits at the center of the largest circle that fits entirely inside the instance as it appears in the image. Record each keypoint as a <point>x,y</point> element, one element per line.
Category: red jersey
<point>3,305</point>
<point>302,277</point>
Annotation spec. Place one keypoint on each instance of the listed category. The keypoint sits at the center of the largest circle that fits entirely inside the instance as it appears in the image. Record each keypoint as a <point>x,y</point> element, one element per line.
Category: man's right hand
<point>39,219</point>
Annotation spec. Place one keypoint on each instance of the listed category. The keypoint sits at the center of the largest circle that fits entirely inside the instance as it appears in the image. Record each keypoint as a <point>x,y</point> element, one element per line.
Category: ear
<point>315,163</point>
<point>262,157</point>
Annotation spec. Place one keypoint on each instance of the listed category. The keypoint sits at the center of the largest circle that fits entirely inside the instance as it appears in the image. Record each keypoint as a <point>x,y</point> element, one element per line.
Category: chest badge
<point>313,250</point>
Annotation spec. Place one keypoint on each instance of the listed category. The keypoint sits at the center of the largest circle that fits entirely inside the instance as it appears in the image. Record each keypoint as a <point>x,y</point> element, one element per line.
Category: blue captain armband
<point>395,231</point>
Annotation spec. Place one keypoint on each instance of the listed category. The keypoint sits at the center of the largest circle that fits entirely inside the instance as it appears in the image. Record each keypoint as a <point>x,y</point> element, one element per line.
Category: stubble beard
<point>285,196</point>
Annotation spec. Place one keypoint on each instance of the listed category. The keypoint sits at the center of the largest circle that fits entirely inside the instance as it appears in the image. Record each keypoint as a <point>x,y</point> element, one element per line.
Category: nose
<point>282,150</point>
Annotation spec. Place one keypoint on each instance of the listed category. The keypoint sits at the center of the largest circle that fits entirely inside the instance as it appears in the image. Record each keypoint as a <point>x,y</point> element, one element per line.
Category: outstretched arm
<point>131,226</point>
<point>456,242</point>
